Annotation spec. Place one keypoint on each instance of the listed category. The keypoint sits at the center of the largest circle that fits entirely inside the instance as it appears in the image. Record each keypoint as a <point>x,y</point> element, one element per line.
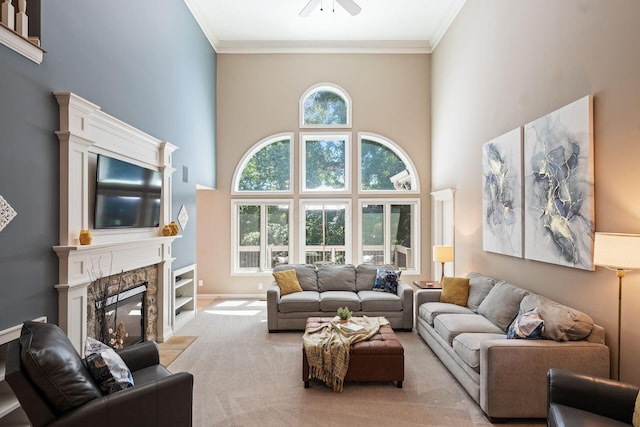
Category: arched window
<point>266,167</point>
<point>325,105</point>
<point>384,166</point>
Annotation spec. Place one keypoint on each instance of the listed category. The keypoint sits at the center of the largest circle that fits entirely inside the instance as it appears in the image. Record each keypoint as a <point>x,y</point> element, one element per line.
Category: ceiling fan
<point>349,5</point>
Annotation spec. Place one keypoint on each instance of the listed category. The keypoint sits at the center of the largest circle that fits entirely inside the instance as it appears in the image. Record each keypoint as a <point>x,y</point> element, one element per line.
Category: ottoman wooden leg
<point>306,384</point>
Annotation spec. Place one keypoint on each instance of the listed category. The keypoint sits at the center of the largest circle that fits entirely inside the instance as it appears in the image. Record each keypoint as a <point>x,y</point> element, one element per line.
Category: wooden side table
<point>427,284</point>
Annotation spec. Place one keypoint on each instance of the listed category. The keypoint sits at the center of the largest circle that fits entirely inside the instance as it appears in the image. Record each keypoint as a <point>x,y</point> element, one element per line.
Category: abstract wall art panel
<point>502,194</point>
<point>558,186</point>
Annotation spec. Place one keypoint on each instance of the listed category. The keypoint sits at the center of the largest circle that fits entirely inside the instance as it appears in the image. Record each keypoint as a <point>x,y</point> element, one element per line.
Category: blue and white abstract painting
<point>502,194</point>
<point>558,186</point>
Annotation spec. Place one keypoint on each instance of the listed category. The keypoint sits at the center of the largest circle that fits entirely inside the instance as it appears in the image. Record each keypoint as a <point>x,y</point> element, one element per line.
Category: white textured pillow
<point>107,367</point>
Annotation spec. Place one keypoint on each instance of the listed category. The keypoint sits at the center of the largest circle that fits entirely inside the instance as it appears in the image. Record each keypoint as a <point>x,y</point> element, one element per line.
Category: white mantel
<point>86,130</point>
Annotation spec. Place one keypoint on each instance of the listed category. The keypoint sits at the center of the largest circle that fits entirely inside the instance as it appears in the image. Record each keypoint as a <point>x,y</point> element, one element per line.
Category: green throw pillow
<point>455,290</point>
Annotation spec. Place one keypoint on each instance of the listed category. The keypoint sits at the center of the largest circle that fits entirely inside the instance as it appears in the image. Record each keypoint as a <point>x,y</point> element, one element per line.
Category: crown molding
<point>337,46</point>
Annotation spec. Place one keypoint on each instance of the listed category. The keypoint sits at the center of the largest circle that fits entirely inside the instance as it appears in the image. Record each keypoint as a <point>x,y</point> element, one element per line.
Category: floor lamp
<point>620,253</point>
<point>442,254</point>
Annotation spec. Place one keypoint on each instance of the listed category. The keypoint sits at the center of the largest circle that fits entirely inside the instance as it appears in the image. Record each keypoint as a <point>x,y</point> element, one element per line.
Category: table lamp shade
<point>617,251</point>
<point>442,253</point>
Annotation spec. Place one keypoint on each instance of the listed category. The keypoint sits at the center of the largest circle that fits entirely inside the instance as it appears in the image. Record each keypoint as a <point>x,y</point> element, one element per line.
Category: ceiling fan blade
<point>309,8</point>
<point>350,6</point>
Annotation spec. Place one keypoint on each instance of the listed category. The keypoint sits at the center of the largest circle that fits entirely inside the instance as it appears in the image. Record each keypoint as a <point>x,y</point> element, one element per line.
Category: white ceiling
<point>383,26</point>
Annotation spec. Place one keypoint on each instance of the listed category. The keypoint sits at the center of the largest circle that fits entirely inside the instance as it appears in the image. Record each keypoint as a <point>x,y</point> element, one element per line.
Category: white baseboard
<point>234,296</point>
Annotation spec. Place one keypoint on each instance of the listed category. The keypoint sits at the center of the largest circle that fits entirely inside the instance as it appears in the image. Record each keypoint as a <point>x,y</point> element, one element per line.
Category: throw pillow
<point>455,290</point>
<point>107,367</point>
<point>527,326</point>
<point>502,303</point>
<point>287,281</point>
<point>387,280</point>
<point>561,323</point>
<point>307,275</point>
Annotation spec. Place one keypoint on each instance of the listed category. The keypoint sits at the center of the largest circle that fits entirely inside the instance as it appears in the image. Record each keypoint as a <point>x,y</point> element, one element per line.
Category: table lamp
<point>620,253</point>
<point>442,254</point>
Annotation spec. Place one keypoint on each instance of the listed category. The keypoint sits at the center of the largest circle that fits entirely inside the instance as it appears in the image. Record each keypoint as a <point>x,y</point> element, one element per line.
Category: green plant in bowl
<point>344,313</point>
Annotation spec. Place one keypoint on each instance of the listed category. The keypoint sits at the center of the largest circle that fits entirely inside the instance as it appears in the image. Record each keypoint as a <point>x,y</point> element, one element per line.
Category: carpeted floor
<point>245,376</point>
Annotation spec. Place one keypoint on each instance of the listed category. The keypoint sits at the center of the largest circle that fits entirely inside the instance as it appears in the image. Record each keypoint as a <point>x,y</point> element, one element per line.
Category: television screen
<point>127,195</point>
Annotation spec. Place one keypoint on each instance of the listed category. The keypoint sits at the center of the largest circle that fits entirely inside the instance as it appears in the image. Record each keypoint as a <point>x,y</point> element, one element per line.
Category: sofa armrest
<point>140,355</point>
<point>513,373</point>
<point>166,402</point>
<point>405,292</point>
<point>609,398</point>
<point>426,295</point>
<point>273,298</point>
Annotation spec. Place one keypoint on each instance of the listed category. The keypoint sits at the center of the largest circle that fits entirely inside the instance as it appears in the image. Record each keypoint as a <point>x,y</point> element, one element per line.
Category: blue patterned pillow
<point>527,326</point>
<point>387,281</point>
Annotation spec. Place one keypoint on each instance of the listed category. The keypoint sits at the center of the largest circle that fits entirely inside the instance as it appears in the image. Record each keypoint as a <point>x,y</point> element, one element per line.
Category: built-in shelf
<point>184,296</point>
<point>19,44</point>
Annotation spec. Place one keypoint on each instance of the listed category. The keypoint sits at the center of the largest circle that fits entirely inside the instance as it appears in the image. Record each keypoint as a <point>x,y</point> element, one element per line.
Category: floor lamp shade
<point>617,251</point>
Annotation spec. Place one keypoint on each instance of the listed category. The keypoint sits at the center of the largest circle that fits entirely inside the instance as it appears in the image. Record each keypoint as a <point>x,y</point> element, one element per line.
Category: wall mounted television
<point>126,195</point>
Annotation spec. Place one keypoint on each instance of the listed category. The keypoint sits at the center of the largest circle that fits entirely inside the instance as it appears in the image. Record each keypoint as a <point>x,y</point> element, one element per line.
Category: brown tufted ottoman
<point>378,359</point>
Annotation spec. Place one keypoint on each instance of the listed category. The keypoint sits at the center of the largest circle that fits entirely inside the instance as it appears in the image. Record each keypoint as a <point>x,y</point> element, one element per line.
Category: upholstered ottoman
<point>379,359</point>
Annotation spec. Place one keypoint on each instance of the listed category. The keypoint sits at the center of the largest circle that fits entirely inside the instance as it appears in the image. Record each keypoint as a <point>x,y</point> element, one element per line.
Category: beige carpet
<point>173,347</point>
<point>245,376</point>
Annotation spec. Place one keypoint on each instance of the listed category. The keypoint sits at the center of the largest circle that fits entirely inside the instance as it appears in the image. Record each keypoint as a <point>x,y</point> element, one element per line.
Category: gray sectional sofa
<point>507,377</point>
<point>328,287</point>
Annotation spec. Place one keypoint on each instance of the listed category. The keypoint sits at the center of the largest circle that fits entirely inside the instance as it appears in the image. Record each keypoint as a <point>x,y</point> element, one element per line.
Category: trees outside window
<point>266,167</point>
<point>325,105</point>
<point>325,162</point>
<point>326,231</point>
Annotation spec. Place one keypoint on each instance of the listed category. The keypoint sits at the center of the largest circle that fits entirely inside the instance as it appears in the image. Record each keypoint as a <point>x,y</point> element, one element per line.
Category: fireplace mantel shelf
<point>103,247</point>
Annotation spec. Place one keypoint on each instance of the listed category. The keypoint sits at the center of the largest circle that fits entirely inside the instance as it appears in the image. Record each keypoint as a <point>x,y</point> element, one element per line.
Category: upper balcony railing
<point>15,31</point>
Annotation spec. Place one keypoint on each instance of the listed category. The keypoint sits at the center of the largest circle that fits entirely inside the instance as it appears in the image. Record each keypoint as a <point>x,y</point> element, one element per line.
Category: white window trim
<point>249,155</point>
<point>415,229</point>
<point>415,184</point>
<point>235,259</point>
<point>330,87</point>
<point>302,237</point>
<point>306,136</point>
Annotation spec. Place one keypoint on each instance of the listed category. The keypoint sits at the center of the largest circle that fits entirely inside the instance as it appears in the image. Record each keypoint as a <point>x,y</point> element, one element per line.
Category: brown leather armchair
<point>55,388</point>
<point>583,400</point>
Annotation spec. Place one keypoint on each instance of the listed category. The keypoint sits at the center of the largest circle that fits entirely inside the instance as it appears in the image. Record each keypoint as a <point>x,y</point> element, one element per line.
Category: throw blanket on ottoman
<point>327,348</point>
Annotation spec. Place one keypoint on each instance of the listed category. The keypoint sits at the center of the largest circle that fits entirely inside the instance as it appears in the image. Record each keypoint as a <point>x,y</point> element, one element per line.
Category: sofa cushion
<point>449,326</point>
<point>299,301</point>
<point>331,300</point>
<point>429,310</point>
<point>502,304</point>
<point>479,287</point>
<point>379,301</point>
<point>333,277</point>
<point>54,366</point>
<point>287,281</point>
<point>526,326</point>
<point>387,280</point>
<point>366,275</point>
<point>306,274</point>
<point>561,323</point>
<point>467,347</point>
<point>455,290</point>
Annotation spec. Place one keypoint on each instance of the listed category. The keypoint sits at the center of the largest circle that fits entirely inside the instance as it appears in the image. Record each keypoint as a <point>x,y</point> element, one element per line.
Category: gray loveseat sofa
<point>508,377</point>
<point>328,287</point>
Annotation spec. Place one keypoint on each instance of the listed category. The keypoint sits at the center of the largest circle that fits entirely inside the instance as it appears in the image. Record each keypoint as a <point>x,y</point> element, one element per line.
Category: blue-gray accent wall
<point>144,62</point>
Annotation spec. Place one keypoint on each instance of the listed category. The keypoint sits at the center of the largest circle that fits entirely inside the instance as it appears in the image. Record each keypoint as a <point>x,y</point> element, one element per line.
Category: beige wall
<point>505,63</point>
<point>258,96</point>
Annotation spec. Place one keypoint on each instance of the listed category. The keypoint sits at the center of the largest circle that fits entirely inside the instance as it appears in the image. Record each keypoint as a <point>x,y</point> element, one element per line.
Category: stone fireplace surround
<point>85,131</point>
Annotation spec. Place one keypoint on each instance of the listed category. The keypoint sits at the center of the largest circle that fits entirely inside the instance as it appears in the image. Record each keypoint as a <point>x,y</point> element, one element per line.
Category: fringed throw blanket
<point>327,348</point>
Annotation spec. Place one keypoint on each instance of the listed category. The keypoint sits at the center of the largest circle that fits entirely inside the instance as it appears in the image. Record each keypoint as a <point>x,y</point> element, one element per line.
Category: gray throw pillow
<point>479,287</point>
<point>366,275</point>
<point>502,304</point>
<point>561,323</point>
<point>337,278</point>
<point>307,276</point>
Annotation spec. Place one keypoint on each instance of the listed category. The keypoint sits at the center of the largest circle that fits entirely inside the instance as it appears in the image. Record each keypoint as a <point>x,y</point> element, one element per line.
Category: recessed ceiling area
<point>383,26</point>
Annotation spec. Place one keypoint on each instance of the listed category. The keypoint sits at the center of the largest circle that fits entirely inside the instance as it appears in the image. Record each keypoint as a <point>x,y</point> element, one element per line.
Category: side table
<point>427,284</point>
